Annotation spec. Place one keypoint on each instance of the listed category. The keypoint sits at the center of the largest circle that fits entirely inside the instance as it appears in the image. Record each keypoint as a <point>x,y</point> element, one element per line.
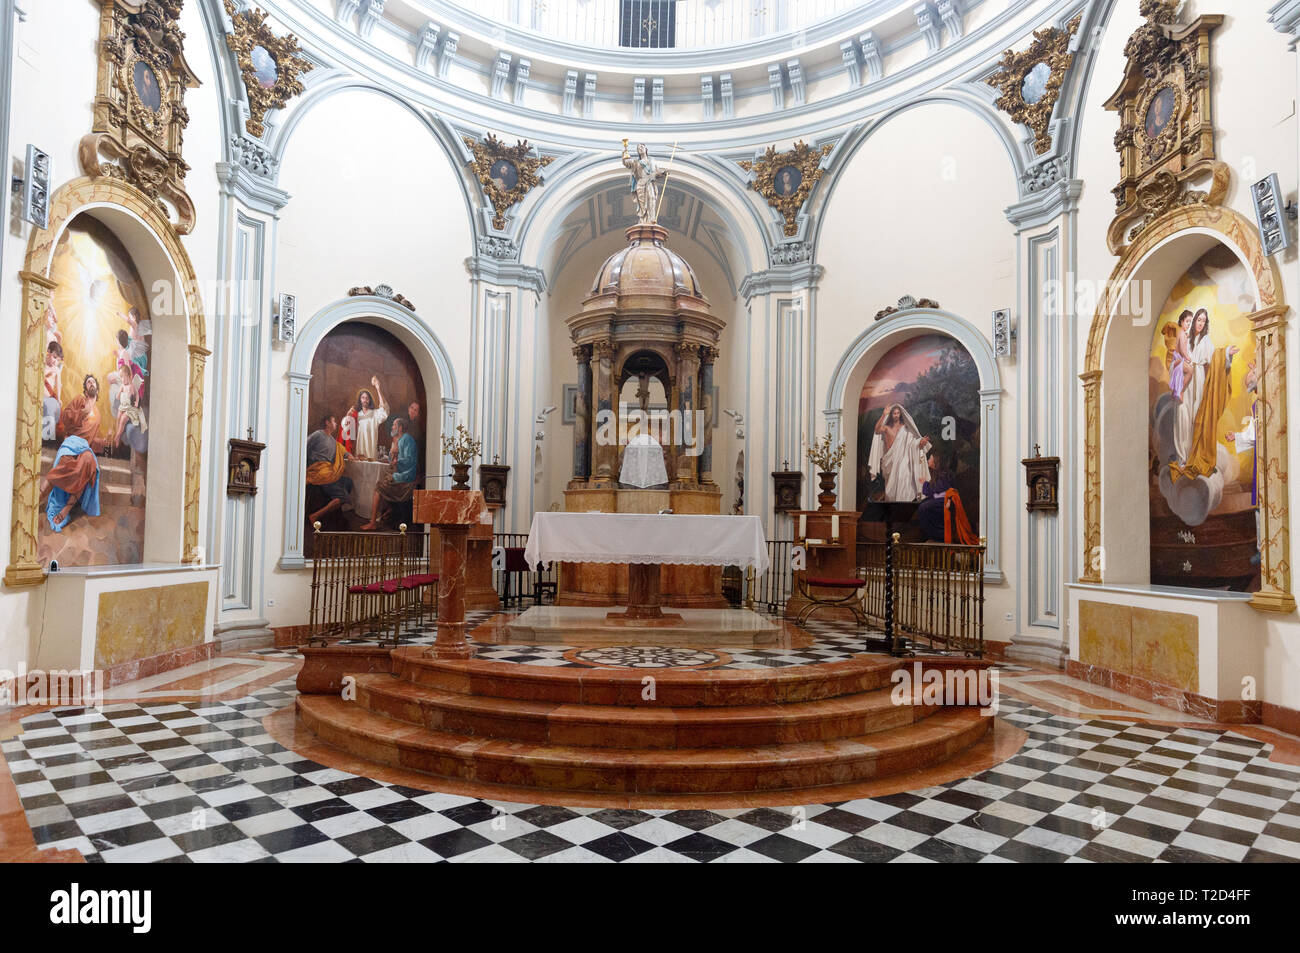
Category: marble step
<point>672,687</point>
<point>650,726</point>
<point>796,765</point>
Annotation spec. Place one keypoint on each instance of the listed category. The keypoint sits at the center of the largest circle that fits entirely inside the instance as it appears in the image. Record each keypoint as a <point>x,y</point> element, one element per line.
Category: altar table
<point>645,541</point>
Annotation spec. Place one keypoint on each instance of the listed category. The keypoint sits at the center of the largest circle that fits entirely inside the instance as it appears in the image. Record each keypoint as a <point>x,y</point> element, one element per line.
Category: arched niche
<point>179,347</point>
<point>861,357</point>
<point>1115,439</point>
<point>439,386</point>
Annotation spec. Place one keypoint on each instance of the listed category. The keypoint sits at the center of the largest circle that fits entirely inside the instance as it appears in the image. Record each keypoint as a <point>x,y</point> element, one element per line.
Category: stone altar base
<point>602,584</point>
<point>580,625</point>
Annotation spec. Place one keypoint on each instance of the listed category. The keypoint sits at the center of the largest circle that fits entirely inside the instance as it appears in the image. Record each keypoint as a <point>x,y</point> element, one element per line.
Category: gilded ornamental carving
<point>1166,136</point>
<point>786,179</point>
<point>1030,81</point>
<point>139,113</point>
<point>269,64</point>
<point>506,173</point>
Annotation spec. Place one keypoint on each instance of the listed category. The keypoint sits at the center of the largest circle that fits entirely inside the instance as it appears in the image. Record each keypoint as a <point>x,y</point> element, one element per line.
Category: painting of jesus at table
<point>363,381</point>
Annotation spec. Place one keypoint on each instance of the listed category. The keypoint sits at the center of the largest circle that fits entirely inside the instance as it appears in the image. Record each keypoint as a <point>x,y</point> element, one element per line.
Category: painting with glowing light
<point>94,403</point>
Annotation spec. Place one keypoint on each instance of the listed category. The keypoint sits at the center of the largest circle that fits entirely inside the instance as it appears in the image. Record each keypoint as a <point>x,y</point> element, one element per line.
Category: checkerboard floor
<point>835,641</point>
<point>204,781</point>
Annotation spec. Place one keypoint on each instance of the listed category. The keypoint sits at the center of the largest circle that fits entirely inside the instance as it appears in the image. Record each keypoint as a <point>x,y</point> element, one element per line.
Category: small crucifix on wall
<point>1042,476</point>
<point>241,470</point>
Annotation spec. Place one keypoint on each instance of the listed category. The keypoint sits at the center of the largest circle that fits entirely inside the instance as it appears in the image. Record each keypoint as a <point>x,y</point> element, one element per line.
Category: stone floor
<point>182,767</point>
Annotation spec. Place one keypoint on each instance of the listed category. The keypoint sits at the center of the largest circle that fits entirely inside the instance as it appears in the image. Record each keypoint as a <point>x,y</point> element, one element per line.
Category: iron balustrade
<point>511,589</point>
<point>344,561</point>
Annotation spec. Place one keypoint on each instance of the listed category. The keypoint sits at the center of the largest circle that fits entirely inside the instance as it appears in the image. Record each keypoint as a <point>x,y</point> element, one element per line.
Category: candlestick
<point>803,525</point>
<point>835,527</point>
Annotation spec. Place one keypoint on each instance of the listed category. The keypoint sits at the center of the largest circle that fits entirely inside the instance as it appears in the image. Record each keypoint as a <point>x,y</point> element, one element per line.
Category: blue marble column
<point>582,416</point>
<point>707,356</point>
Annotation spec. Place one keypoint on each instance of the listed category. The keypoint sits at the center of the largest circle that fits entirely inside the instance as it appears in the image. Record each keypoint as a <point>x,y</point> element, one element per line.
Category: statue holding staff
<point>646,178</point>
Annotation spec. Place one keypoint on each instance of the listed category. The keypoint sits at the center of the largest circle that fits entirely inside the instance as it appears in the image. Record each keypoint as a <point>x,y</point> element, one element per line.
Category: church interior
<point>593,431</point>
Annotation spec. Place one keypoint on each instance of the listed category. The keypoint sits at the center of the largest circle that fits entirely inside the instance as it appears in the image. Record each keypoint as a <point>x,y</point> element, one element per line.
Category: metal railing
<point>767,591</point>
<point>515,586</point>
<point>938,593</point>
<point>696,25</point>
<point>344,561</point>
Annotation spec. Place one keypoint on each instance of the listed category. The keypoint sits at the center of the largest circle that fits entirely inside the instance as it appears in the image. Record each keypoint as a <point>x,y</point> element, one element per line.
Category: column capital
<point>1048,201</point>
<point>507,274</point>
<point>708,354</point>
<point>582,353</point>
<point>782,279</point>
<point>602,350</point>
<point>252,185</point>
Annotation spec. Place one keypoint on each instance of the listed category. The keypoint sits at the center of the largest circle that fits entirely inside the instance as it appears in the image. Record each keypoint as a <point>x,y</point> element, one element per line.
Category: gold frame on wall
<point>527,164</point>
<point>806,159</point>
<point>250,31</point>
<point>1156,170</point>
<point>77,196</point>
<point>130,140</point>
<point>1269,324</point>
<point>1051,45</point>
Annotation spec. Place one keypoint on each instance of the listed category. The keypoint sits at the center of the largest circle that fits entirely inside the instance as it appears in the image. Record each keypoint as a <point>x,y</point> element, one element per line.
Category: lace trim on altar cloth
<point>646,558</point>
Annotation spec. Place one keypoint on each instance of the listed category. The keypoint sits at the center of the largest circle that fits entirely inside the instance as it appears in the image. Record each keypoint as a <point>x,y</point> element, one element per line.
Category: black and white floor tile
<point>204,782</point>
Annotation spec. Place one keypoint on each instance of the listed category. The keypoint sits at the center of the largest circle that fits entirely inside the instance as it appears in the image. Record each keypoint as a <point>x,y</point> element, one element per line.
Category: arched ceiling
<point>609,209</point>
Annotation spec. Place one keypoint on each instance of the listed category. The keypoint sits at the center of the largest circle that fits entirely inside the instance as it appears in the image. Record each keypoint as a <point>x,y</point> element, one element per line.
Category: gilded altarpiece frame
<point>1269,327</point>
<point>139,114</point>
<point>1166,132</point>
<point>1162,150</point>
<point>77,196</point>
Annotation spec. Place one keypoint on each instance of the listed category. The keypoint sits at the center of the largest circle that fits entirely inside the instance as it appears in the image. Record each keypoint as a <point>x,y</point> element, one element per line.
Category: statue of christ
<point>645,183</point>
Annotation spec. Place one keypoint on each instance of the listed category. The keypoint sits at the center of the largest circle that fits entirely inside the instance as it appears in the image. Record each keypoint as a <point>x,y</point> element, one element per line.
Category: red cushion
<point>356,590</point>
<point>416,580</point>
<point>836,583</point>
<point>386,586</point>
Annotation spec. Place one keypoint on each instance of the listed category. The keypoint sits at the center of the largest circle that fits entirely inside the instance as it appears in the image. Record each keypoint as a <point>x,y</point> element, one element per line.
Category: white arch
<point>861,356</point>
<point>406,326</point>
<point>855,139</point>
<point>280,136</point>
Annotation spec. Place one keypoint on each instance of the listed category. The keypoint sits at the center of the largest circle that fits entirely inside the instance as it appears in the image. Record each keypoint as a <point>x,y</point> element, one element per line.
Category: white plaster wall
<point>374,200</point>
<point>920,211</point>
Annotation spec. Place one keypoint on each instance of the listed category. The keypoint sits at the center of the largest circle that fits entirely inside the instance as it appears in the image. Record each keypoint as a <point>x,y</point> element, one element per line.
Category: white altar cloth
<point>675,539</point>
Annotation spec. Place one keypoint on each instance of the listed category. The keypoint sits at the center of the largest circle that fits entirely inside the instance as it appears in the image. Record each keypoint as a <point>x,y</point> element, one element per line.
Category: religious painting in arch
<point>366,432</point>
<point>94,403</point>
<point>919,439</point>
<point>1202,467</point>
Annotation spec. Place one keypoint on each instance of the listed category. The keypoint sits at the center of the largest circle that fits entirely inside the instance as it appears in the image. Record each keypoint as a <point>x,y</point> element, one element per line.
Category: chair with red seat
<point>844,595</point>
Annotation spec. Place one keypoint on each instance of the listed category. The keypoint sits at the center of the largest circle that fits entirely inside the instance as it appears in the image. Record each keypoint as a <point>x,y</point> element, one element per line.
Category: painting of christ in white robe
<point>898,453</point>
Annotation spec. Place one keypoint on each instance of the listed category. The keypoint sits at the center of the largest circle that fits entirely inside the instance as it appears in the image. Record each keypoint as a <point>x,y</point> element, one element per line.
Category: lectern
<point>453,513</point>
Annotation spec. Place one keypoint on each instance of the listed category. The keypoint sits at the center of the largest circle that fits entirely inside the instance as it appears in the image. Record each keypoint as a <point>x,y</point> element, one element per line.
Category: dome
<point>646,266</point>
